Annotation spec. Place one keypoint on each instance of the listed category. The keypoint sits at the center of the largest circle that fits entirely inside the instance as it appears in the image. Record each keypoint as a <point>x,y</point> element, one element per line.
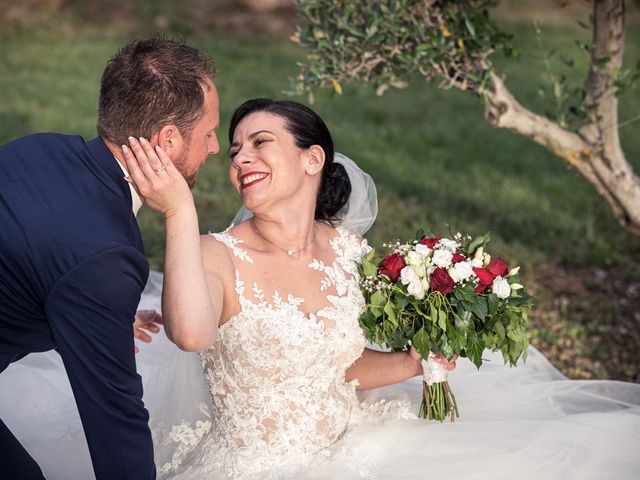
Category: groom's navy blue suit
<point>72,269</point>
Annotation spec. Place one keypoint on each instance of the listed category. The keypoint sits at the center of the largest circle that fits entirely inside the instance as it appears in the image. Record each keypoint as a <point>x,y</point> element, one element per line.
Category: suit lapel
<point>107,162</point>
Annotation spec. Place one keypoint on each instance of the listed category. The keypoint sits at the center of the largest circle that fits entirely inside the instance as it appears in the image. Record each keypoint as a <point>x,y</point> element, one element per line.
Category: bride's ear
<point>170,140</point>
<point>314,160</point>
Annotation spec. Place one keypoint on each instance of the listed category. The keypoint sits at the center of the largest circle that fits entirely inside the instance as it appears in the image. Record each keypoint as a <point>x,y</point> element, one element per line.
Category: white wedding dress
<point>273,403</point>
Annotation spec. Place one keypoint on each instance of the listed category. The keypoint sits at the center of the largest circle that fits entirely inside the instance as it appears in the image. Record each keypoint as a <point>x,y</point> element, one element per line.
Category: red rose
<point>430,242</point>
<point>440,281</point>
<point>457,258</point>
<point>498,267</point>
<point>485,278</point>
<point>391,266</point>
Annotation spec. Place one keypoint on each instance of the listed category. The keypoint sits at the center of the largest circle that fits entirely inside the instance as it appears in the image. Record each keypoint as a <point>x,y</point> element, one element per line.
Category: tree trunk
<point>594,151</point>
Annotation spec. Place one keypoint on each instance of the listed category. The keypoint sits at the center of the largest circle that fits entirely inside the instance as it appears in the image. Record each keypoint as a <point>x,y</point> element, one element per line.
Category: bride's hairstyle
<point>307,129</point>
<point>151,83</point>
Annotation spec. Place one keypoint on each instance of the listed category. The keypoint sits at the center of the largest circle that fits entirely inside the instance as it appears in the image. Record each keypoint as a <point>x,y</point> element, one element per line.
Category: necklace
<point>288,251</point>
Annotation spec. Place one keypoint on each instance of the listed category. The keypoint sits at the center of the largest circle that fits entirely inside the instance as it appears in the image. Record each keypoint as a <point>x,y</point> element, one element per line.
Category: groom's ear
<point>314,159</point>
<point>170,140</point>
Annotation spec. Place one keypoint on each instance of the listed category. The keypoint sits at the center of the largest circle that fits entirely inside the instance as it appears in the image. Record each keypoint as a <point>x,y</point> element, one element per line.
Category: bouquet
<point>444,296</point>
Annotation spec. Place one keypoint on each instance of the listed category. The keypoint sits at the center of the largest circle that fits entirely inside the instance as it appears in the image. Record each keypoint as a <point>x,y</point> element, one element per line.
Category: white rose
<point>464,270</point>
<point>421,270</point>
<point>430,269</point>
<point>442,258</point>
<point>477,262</point>
<point>486,258</point>
<point>414,258</point>
<point>425,284</point>
<point>501,287</point>
<point>448,244</point>
<point>415,289</point>
<point>422,249</point>
<point>454,274</point>
<point>408,275</point>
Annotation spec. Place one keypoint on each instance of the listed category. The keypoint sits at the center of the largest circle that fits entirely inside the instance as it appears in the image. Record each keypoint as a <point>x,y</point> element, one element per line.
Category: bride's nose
<point>242,158</point>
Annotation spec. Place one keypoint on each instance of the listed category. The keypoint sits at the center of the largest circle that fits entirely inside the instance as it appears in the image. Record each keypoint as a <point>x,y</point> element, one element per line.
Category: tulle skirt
<point>528,422</point>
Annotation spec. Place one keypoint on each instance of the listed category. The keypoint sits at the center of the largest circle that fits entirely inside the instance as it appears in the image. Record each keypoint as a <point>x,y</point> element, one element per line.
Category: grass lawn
<point>436,163</point>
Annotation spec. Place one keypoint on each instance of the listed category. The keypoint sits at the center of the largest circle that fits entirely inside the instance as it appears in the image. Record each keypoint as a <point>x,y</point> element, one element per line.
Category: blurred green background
<point>435,160</point>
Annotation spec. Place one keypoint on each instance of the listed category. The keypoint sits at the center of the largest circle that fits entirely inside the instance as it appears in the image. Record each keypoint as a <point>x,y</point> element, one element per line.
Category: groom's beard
<point>180,164</point>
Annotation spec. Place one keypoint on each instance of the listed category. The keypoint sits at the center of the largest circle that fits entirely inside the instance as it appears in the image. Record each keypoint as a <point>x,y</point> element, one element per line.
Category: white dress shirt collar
<point>136,201</point>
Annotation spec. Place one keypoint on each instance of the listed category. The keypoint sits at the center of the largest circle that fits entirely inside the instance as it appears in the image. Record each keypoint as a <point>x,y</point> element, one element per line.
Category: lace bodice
<point>277,376</point>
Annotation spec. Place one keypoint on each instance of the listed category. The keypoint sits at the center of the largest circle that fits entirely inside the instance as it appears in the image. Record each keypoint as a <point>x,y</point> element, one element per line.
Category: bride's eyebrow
<point>251,137</point>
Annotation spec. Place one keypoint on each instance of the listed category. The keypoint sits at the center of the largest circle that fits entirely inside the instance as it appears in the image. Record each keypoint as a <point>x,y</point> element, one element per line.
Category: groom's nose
<point>213,146</point>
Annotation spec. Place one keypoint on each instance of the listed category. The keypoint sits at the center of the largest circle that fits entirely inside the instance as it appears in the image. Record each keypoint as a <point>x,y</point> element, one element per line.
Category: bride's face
<point>266,165</point>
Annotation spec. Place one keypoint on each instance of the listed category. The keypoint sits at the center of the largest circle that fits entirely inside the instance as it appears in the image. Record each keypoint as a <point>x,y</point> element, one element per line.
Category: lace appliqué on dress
<point>277,376</point>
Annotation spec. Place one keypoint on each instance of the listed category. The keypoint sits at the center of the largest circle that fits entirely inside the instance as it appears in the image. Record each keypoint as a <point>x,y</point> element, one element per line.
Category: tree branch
<point>504,111</point>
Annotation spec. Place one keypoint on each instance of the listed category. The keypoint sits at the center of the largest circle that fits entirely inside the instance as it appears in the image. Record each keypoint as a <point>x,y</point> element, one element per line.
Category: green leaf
<point>500,330</point>
<point>422,343</point>
<point>370,264</point>
<point>474,349</point>
<point>433,314</point>
<point>391,313</point>
<point>378,299</point>
<point>493,302</point>
<point>478,307</point>
<point>478,242</point>
<point>465,293</point>
<point>442,320</point>
<point>469,26</point>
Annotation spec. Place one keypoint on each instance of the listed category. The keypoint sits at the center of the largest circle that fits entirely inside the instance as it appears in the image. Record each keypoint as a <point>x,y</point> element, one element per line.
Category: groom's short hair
<point>150,83</point>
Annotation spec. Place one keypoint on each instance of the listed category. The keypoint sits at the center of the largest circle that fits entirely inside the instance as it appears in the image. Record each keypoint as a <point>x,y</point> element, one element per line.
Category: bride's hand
<point>448,365</point>
<point>156,178</point>
<point>146,320</point>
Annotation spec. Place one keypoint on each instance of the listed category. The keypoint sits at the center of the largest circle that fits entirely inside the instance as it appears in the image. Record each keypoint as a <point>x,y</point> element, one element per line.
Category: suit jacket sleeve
<point>90,311</point>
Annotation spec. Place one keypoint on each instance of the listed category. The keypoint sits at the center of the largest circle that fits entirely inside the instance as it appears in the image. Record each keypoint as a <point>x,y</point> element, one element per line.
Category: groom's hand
<point>146,320</point>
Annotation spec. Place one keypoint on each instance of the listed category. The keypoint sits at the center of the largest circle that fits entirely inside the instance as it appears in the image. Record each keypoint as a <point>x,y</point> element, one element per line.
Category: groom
<point>72,265</point>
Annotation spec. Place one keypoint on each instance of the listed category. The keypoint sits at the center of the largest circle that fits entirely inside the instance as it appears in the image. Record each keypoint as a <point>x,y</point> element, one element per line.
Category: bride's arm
<point>191,295</point>
<point>377,369</point>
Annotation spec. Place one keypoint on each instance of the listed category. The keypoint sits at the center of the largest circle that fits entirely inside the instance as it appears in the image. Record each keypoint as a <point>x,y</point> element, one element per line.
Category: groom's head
<point>162,90</point>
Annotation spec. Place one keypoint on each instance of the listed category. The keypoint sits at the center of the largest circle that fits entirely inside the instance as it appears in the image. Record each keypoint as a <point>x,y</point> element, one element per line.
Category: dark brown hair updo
<point>151,83</point>
<point>307,129</point>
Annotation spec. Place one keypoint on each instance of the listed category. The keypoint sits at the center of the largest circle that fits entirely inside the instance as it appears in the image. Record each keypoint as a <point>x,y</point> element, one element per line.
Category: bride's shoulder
<point>347,242</point>
<point>225,243</point>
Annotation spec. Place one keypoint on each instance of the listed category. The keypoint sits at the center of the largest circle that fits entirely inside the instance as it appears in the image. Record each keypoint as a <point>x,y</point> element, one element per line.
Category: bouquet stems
<point>438,402</point>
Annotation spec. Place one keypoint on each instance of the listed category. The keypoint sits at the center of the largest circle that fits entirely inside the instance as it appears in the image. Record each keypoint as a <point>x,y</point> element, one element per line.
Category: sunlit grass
<point>435,160</point>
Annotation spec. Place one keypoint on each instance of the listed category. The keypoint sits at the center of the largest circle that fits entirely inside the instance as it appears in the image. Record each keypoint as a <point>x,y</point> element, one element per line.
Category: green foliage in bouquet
<point>463,322</point>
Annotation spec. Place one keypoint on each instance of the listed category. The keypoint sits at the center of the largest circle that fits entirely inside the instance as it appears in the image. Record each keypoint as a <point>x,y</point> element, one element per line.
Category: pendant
<point>290,253</point>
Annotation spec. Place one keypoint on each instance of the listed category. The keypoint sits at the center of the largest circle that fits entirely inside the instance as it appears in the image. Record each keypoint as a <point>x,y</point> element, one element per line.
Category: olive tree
<point>385,42</point>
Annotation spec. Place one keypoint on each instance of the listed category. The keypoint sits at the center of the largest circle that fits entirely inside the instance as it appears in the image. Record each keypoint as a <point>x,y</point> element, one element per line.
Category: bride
<point>272,306</point>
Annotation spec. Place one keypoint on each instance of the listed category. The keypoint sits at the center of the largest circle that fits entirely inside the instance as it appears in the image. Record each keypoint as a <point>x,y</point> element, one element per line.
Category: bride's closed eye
<point>256,143</point>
